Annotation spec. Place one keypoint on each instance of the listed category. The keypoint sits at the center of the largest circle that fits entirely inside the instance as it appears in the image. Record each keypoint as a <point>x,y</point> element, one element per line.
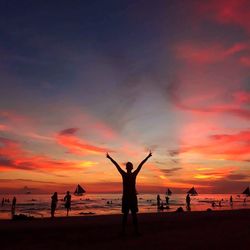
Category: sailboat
<point>169,192</point>
<point>192,191</point>
<point>79,191</point>
<point>246,192</point>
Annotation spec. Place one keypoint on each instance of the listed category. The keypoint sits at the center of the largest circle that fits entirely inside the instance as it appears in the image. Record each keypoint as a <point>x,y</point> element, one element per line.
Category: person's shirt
<point>67,198</point>
<point>54,199</point>
<point>129,182</point>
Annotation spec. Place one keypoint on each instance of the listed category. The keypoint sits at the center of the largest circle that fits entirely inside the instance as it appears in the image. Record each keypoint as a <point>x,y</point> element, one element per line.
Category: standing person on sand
<point>129,197</point>
<point>67,199</point>
<point>188,201</point>
<point>54,200</point>
<point>231,201</point>
<point>158,198</point>
<point>13,207</point>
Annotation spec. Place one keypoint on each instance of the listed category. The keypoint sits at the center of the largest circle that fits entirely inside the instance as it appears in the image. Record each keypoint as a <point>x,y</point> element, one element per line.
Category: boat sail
<point>192,191</point>
<point>246,191</point>
<point>169,192</point>
<point>79,190</point>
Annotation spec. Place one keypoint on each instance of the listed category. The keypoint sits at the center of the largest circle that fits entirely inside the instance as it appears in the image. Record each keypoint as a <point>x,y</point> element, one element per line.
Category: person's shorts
<point>67,205</point>
<point>129,203</point>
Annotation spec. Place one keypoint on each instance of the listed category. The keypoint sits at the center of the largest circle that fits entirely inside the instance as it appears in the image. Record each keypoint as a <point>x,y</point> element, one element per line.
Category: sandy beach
<point>187,230</point>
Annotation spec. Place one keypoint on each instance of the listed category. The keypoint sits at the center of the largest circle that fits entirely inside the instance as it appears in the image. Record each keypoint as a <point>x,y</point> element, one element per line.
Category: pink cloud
<point>207,53</point>
<point>228,12</point>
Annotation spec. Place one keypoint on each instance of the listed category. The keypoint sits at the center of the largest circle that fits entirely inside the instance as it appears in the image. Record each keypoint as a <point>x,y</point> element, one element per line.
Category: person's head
<point>67,192</point>
<point>129,166</point>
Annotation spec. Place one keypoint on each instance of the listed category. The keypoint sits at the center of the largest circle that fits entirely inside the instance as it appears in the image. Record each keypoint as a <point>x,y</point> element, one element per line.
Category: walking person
<point>129,197</point>
<point>67,199</point>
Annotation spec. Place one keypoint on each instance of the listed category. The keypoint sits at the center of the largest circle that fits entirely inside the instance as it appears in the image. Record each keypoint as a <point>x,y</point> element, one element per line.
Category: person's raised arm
<point>115,163</point>
<point>141,164</point>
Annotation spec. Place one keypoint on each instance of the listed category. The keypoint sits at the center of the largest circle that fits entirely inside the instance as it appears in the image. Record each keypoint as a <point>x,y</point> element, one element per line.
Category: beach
<point>185,230</point>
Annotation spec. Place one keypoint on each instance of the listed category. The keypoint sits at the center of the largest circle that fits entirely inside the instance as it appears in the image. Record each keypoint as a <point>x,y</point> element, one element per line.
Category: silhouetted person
<point>161,207</point>
<point>67,199</point>
<point>220,203</point>
<point>2,202</point>
<point>188,202</point>
<point>129,197</point>
<point>54,200</point>
<point>244,201</point>
<point>167,200</point>
<point>13,207</point>
<point>158,198</point>
<point>231,200</point>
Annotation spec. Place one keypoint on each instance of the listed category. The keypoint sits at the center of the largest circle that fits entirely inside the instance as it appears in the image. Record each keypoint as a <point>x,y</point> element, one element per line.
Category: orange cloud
<point>224,146</point>
<point>68,139</point>
<point>14,157</point>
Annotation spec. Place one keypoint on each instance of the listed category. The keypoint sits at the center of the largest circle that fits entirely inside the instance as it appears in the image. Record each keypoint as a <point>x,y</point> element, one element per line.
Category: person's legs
<point>124,221</point>
<point>135,222</point>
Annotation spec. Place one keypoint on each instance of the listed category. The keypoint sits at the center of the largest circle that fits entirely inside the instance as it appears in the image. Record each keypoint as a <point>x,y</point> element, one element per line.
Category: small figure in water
<point>188,202</point>
<point>67,199</point>
<point>2,202</point>
<point>245,201</point>
<point>167,200</point>
<point>220,203</point>
<point>13,207</point>
<point>231,200</point>
<point>54,200</point>
<point>161,207</point>
<point>129,197</point>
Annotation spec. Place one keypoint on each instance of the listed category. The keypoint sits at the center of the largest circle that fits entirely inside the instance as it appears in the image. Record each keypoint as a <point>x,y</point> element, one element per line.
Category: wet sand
<point>187,230</point>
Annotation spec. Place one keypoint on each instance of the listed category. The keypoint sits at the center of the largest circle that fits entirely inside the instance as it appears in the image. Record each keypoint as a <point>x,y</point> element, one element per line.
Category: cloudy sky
<point>82,78</point>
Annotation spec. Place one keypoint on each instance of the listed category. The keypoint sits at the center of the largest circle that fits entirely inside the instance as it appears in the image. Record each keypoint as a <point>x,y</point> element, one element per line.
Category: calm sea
<point>38,205</point>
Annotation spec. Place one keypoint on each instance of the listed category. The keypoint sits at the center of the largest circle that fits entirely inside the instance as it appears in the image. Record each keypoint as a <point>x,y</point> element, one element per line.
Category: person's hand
<point>108,156</point>
<point>150,154</point>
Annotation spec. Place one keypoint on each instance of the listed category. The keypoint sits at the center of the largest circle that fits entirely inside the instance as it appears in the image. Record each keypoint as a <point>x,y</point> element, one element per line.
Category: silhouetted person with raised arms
<point>188,201</point>
<point>129,197</point>
<point>67,199</point>
<point>54,200</point>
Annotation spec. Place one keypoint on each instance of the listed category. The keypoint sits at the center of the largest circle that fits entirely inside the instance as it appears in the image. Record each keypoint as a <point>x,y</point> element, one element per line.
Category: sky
<point>82,78</point>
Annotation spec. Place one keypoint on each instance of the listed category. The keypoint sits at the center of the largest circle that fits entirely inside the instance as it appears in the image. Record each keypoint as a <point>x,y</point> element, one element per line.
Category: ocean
<point>38,205</point>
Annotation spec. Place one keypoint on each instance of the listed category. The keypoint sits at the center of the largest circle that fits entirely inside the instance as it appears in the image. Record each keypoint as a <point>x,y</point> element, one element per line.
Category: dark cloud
<point>173,152</point>
<point>68,131</point>
<point>6,162</point>
<point>236,177</point>
<point>171,171</point>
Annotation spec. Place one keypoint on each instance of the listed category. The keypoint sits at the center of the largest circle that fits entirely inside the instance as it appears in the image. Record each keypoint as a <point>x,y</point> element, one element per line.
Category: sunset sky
<point>82,78</point>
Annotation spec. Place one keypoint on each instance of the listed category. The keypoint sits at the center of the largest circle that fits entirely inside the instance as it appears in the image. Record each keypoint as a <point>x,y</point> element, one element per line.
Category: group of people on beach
<point>54,201</point>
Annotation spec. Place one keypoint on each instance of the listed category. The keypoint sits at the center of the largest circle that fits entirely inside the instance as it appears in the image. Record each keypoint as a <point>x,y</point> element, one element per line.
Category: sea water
<point>38,205</point>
